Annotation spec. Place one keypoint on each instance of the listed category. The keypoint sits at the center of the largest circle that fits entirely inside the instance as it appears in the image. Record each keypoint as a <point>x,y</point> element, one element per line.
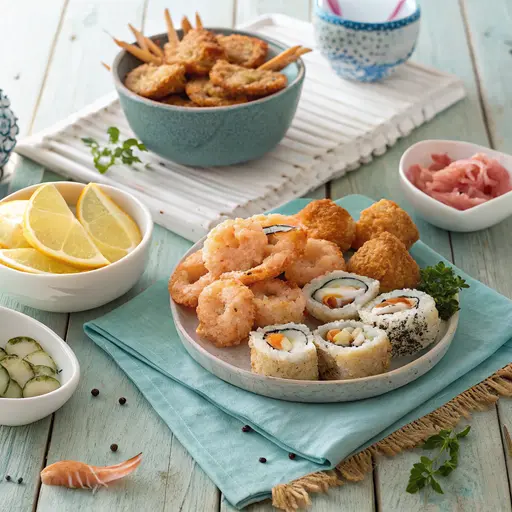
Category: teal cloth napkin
<point>206,413</point>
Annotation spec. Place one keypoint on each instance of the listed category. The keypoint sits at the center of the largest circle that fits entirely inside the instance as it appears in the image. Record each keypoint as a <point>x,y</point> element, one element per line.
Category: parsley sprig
<point>106,157</point>
<point>442,284</point>
<point>424,473</point>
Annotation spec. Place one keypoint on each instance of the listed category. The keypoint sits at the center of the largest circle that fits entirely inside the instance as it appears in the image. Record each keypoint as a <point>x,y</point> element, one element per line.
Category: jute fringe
<point>295,495</point>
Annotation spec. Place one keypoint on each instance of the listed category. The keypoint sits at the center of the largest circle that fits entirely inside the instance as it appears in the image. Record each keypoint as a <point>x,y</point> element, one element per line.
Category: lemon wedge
<point>11,224</point>
<point>113,231</point>
<point>50,227</point>
<point>34,262</point>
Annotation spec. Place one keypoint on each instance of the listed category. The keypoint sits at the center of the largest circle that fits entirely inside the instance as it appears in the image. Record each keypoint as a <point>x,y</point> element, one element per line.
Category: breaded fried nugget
<point>239,80</point>
<point>205,94</point>
<point>245,51</point>
<point>325,220</point>
<point>384,216</point>
<point>197,51</point>
<point>386,259</point>
<point>178,101</point>
<point>156,82</point>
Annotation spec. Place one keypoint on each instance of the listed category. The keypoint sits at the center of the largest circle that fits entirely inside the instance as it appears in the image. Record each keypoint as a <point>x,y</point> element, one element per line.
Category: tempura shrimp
<point>189,280</point>
<point>320,257</point>
<point>156,82</point>
<point>277,302</point>
<point>238,244</point>
<point>226,312</point>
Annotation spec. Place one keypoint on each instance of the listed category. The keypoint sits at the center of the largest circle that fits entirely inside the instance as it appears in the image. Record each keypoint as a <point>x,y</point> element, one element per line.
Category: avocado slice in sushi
<point>13,390</point>
<point>41,369</point>
<point>18,369</point>
<point>22,346</point>
<point>4,380</point>
<point>40,357</point>
<point>40,386</point>
<point>3,353</point>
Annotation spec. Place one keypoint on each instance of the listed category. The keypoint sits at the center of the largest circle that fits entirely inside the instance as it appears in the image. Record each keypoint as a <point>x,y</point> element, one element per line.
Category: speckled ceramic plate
<point>234,365</point>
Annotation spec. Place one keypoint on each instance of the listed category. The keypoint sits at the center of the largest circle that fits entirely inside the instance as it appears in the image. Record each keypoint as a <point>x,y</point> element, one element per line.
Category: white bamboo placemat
<point>338,126</point>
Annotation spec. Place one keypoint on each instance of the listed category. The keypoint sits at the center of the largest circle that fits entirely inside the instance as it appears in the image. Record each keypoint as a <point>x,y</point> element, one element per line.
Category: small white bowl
<point>22,411</point>
<point>474,219</point>
<point>66,293</point>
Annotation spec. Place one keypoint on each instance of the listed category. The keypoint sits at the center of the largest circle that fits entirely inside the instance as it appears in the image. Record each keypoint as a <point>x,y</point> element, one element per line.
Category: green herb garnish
<point>424,473</point>
<point>441,283</point>
<point>106,157</point>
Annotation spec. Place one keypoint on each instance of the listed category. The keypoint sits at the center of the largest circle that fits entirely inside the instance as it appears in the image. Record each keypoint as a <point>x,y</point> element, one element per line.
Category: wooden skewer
<point>139,37</point>
<point>186,26</point>
<point>153,47</point>
<point>199,21</point>
<point>278,59</point>
<point>106,66</point>
<point>171,31</point>
<point>142,55</point>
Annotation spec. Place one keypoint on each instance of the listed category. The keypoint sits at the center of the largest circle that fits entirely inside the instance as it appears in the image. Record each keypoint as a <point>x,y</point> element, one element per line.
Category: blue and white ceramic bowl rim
<point>361,25</point>
<point>163,37</point>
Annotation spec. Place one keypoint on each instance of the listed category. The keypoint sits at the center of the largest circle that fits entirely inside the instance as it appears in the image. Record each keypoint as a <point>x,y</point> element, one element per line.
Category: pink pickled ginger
<point>461,184</point>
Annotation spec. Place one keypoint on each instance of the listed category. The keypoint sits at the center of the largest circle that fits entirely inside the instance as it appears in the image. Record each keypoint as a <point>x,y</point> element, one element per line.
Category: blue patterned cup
<point>370,49</point>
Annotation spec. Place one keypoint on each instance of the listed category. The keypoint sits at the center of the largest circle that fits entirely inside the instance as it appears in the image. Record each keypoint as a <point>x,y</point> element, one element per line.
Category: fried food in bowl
<point>386,259</point>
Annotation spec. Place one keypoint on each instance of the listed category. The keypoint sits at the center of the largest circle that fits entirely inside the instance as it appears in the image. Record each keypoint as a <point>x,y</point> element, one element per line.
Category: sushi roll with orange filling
<point>286,351</point>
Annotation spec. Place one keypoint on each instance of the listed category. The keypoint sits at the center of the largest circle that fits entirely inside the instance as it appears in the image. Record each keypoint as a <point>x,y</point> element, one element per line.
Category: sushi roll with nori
<point>338,295</point>
<point>409,317</point>
<point>286,351</point>
<point>348,349</point>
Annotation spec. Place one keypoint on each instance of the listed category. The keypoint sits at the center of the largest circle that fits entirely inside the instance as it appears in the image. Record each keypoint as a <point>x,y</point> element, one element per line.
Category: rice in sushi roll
<point>338,295</point>
<point>348,349</point>
<point>286,351</point>
<point>409,317</point>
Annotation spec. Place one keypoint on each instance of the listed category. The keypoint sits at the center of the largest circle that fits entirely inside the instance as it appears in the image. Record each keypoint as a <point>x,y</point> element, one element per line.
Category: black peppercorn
<point>114,447</point>
<point>291,456</point>
<point>122,400</point>
<point>95,392</point>
<point>8,478</point>
<point>20,480</point>
<point>262,460</point>
<point>246,428</point>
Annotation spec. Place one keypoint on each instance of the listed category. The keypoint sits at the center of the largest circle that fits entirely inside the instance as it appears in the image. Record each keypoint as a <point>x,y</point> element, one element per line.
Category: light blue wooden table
<point>49,67</point>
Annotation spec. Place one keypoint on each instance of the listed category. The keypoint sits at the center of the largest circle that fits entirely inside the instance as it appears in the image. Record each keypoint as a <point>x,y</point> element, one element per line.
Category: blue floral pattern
<point>8,129</point>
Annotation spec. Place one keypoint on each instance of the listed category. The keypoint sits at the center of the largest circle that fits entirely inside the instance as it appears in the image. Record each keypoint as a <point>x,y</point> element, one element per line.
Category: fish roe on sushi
<point>348,349</point>
<point>338,295</point>
<point>286,351</point>
<point>409,317</point>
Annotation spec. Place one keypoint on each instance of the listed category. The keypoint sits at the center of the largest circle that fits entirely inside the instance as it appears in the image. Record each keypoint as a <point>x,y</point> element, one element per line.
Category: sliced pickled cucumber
<point>40,386</point>
<point>4,380</point>
<point>40,357</point>
<point>22,346</point>
<point>13,390</point>
<point>41,369</point>
<point>18,369</point>
<point>3,353</point>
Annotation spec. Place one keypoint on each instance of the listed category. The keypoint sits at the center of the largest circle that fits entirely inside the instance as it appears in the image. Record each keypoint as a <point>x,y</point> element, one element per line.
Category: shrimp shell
<point>73,474</point>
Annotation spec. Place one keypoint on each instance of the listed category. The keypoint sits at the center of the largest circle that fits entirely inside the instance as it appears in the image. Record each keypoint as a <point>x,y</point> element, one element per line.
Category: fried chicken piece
<point>325,220</point>
<point>245,51</point>
<point>205,94</point>
<point>178,100</point>
<point>239,80</point>
<point>197,51</point>
<point>385,215</point>
<point>156,82</point>
<point>386,259</point>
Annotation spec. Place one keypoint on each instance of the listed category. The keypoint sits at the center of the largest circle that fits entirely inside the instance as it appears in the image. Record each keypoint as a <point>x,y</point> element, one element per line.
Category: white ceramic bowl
<point>66,293</point>
<point>479,217</point>
<point>21,411</point>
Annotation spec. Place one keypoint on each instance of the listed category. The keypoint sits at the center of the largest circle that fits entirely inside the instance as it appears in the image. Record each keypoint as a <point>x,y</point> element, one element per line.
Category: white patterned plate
<point>233,365</point>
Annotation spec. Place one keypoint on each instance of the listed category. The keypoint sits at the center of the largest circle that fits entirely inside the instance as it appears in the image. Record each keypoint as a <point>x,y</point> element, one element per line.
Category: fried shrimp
<point>277,302</point>
<point>384,216</point>
<point>325,220</point>
<point>239,80</point>
<point>320,257</point>
<point>156,82</point>
<point>204,94</point>
<point>238,244</point>
<point>178,101</point>
<point>189,280</point>
<point>197,51</point>
<point>226,313</point>
<point>245,51</point>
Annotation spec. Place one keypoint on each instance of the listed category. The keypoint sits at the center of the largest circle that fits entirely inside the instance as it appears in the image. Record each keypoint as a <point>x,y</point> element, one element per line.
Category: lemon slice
<point>31,260</point>
<point>113,231</point>
<point>11,224</point>
<point>50,227</point>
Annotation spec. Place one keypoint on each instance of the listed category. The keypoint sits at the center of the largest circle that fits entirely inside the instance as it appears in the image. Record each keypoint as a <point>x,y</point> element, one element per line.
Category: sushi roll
<point>409,317</point>
<point>338,295</point>
<point>348,349</point>
<point>286,351</point>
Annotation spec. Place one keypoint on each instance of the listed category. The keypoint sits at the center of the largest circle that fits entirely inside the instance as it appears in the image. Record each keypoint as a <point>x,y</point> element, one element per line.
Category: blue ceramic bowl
<point>207,137</point>
<point>366,51</point>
